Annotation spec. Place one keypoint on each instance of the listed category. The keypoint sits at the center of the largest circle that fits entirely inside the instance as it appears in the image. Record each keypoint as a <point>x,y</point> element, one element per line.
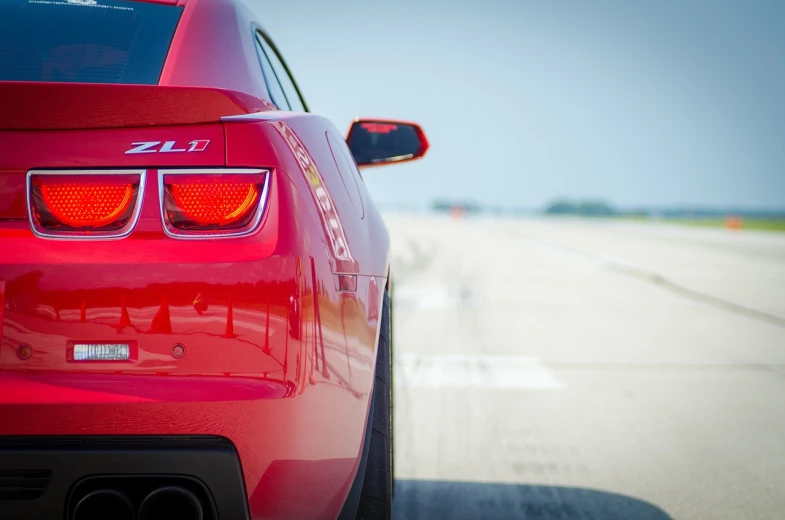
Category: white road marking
<point>425,296</point>
<point>509,372</point>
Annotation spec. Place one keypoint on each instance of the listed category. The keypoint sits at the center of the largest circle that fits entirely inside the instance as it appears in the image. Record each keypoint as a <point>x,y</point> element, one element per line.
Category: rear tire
<point>377,490</point>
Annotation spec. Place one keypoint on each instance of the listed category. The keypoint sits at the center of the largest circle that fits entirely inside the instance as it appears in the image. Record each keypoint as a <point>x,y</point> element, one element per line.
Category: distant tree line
<point>601,208</point>
<point>585,208</point>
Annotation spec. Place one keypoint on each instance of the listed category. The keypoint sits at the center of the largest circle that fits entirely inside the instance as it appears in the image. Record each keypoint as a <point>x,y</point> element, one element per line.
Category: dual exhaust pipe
<point>164,503</point>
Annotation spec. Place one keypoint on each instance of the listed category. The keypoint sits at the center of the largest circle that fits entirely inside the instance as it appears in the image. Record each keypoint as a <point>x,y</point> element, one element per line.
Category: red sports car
<point>194,280</point>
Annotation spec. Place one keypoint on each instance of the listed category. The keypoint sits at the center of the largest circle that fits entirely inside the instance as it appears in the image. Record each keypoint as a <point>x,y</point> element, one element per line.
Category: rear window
<point>89,41</point>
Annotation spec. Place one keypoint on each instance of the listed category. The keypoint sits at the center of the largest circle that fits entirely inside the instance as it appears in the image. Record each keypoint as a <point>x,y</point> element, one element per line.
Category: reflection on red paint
<point>229,333</point>
<point>162,321</point>
<point>346,283</point>
<point>379,128</point>
<point>2,307</point>
<point>200,305</point>
<point>125,318</point>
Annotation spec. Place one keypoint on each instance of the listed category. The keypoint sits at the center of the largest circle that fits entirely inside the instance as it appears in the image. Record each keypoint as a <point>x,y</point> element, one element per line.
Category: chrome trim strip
<point>254,116</point>
<point>215,171</point>
<point>109,235</point>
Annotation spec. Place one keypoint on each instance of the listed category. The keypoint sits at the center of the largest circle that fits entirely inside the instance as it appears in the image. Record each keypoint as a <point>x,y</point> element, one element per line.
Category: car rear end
<point>151,341</point>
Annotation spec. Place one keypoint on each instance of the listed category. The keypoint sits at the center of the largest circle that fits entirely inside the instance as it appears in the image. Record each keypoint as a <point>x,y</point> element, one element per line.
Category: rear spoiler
<point>64,106</point>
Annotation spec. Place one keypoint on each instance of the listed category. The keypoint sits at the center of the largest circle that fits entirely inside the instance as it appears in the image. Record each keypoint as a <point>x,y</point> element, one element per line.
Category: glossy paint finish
<point>278,328</point>
<point>261,320</point>
<point>214,46</point>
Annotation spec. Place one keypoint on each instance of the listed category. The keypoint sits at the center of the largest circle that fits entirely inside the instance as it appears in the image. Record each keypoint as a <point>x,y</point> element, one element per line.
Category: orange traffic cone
<point>230,321</point>
<point>311,355</point>
<point>162,321</point>
<point>266,347</point>
<point>125,319</point>
<point>733,222</point>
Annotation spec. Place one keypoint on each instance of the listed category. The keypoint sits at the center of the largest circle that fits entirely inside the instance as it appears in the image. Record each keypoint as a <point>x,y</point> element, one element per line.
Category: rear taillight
<point>88,204</point>
<point>212,203</point>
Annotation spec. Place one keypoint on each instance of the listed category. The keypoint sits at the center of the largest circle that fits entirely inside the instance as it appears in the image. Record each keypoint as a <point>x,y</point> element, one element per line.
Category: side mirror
<point>376,142</point>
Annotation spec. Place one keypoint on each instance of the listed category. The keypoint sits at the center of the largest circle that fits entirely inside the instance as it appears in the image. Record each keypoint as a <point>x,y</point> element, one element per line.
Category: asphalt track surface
<point>579,370</point>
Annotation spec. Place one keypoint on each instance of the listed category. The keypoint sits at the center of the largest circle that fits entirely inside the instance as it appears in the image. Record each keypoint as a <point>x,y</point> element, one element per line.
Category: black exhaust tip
<point>171,503</point>
<point>103,504</point>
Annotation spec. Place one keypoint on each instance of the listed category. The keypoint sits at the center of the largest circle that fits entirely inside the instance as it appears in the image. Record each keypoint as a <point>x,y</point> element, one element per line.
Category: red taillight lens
<point>86,205</point>
<point>207,203</point>
<point>214,202</point>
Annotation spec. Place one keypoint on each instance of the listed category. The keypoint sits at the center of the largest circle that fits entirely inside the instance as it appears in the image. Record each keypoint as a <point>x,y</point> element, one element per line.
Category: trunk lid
<point>68,106</point>
<point>83,126</point>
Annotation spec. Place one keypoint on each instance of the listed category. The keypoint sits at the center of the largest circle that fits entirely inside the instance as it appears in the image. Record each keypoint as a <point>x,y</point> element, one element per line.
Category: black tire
<point>377,490</point>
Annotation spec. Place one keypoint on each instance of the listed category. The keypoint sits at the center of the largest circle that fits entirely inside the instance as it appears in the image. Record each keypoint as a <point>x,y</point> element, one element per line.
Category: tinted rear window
<point>90,41</point>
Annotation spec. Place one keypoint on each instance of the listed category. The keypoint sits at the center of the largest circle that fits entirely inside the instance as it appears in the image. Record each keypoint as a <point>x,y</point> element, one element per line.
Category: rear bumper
<point>262,367</point>
<point>275,361</point>
<point>287,456</point>
<point>46,476</point>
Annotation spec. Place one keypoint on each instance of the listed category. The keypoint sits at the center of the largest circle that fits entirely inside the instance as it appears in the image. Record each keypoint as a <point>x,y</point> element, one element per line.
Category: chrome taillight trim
<point>257,218</point>
<point>108,235</point>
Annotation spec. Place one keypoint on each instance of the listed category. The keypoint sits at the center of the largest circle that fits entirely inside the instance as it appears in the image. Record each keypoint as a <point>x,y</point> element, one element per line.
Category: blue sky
<point>658,102</point>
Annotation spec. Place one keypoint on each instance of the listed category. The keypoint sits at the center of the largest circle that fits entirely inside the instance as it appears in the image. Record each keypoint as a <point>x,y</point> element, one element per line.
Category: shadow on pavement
<point>424,499</point>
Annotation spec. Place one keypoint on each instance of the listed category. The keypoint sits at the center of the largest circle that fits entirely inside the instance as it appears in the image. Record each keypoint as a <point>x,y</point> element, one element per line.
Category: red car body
<point>265,341</point>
